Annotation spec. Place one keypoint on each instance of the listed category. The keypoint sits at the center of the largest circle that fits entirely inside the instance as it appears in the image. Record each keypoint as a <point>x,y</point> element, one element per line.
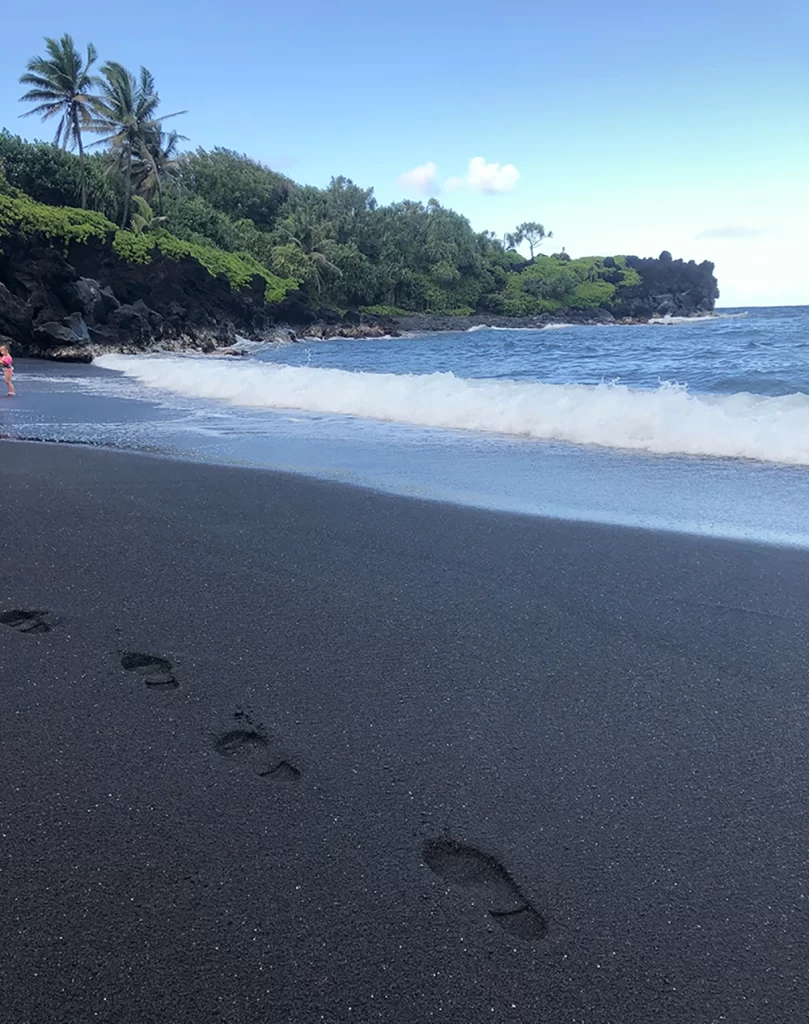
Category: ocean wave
<point>668,319</point>
<point>490,327</point>
<point>666,420</point>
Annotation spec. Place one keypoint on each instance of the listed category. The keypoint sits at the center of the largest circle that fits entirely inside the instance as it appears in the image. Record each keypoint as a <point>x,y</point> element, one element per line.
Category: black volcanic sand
<point>276,750</point>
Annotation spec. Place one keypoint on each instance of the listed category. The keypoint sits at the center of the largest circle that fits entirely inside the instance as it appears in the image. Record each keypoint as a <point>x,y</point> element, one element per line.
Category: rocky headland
<point>77,300</point>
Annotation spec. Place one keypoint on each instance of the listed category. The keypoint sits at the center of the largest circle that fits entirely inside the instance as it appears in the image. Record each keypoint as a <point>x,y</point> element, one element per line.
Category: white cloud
<point>491,178</point>
<point>421,179</point>
<point>483,177</point>
<point>488,179</point>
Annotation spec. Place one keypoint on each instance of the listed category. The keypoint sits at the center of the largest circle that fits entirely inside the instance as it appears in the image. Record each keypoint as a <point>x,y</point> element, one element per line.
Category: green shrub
<point>289,260</point>
<point>50,175</point>
<point>6,188</point>
<point>133,248</point>
<point>592,294</point>
<point>238,267</point>
<point>383,311</point>
<point>58,223</point>
<point>630,277</point>
<point>67,225</point>
<point>193,219</point>
<point>525,305</point>
<point>235,185</point>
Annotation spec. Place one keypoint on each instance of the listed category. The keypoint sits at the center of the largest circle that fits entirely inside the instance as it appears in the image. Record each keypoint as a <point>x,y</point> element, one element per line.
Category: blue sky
<point>622,127</point>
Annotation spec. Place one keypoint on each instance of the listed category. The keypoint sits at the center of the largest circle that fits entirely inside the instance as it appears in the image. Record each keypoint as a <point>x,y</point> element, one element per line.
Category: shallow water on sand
<point>737,498</point>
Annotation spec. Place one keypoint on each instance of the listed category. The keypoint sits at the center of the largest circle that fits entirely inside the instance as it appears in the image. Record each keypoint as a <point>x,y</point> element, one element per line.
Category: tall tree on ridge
<point>63,86</point>
<point>530,232</point>
<point>124,112</point>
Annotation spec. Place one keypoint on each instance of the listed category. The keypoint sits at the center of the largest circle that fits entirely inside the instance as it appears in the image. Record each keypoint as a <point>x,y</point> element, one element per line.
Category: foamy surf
<point>490,327</point>
<point>668,319</point>
<point>667,420</point>
<point>539,327</point>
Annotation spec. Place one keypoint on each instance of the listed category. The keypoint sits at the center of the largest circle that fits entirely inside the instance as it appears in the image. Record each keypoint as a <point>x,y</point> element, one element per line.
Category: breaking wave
<point>544,327</point>
<point>666,420</point>
<point>669,319</point>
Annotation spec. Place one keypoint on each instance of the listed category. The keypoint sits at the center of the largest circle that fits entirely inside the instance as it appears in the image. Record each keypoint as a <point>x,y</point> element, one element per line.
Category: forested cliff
<point>238,248</point>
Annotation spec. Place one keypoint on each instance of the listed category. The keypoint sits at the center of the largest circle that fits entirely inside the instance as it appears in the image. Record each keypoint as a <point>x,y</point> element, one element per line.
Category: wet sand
<point>278,750</point>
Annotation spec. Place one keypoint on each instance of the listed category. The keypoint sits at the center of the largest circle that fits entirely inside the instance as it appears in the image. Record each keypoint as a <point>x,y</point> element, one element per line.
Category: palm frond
<point>42,94</point>
<point>165,117</point>
<point>44,110</point>
<point>62,132</point>
<point>54,48</point>
<point>60,83</point>
<point>110,140</point>
<point>147,83</point>
<point>40,82</point>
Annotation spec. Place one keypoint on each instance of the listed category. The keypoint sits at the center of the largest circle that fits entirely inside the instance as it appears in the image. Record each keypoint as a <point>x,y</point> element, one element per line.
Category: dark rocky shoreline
<point>436,323</point>
<point>75,303</point>
<point>419,322</point>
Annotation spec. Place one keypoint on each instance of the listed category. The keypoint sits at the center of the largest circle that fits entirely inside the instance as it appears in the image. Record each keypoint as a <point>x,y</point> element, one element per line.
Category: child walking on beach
<point>7,364</point>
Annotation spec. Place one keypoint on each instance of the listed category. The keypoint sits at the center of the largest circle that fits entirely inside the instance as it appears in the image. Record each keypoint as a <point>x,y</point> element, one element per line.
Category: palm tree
<point>143,218</point>
<point>313,237</point>
<point>124,112</point>
<point>163,155</point>
<point>62,86</point>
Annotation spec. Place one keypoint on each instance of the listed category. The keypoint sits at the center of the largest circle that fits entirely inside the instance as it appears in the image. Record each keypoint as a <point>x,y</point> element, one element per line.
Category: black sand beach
<point>617,720</point>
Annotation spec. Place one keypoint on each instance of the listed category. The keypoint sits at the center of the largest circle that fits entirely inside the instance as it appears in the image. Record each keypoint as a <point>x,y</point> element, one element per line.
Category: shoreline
<point>776,541</point>
<point>594,711</point>
<point>419,324</point>
<point>743,499</point>
<point>207,340</point>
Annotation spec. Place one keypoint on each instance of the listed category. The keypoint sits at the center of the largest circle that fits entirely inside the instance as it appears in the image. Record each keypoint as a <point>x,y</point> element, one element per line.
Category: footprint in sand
<point>28,620</point>
<point>157,673</point>
<point>250,746</point>
<point>488,881</point>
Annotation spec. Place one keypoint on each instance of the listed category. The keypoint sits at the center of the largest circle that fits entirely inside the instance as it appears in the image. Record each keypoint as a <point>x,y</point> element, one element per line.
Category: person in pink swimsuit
<point>7,363</point>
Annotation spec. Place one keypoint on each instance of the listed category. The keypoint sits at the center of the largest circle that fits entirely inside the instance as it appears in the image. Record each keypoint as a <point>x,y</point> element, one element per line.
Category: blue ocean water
<point>761,351</point>
<point>699,425</point>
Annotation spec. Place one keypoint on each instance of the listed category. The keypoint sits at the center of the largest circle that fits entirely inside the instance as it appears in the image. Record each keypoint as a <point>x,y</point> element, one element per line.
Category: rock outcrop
<point>74,303</point>
<point>668,287</point>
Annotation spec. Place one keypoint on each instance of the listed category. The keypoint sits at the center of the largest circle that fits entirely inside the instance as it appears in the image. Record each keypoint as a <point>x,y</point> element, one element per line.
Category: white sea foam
<point>490,327</point>
<point>539,327</point>
<point>668,319</point>
<point>668,419</point>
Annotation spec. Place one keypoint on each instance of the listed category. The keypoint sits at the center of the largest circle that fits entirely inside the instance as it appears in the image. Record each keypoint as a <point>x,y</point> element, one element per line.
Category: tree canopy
<point>336,244</point>
<point>62,86</point>
<point>125,111</point>
<point>531,232</point>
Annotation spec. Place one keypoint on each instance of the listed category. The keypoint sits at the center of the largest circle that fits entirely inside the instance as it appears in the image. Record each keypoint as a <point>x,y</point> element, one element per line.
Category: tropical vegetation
<point>62,86</point>
<point>337,246</point>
